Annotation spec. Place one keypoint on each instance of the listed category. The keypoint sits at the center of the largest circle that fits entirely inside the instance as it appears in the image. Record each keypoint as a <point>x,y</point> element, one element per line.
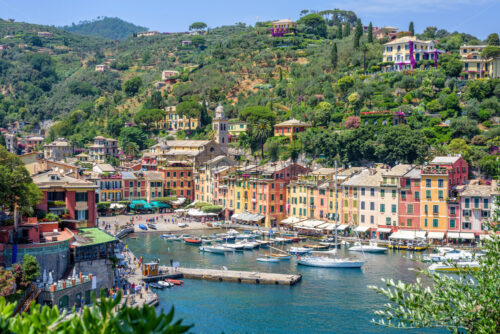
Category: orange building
<point>290,128</point>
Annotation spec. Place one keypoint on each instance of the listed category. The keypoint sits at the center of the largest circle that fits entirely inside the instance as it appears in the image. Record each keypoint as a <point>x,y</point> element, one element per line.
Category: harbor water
<point>325,301</point>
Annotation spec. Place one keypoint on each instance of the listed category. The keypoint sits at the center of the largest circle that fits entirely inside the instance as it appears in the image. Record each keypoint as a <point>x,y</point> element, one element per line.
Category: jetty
<point>236,276</point>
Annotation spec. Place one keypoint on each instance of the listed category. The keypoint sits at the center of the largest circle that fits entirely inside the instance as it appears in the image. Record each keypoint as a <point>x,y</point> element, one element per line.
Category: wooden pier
<point>227,276</point>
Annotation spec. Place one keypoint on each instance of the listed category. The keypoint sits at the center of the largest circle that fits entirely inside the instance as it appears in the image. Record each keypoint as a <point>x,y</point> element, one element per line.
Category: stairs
<point>29,296</point>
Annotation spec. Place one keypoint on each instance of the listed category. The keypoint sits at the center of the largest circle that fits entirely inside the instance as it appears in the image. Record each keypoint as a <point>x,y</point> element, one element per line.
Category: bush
<point>51,217</point>
<point>211,208</point>
<point>166,199</point>
<point>103,206</point>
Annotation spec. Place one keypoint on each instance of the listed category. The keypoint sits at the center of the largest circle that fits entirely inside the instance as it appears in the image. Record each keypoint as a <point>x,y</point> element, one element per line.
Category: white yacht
<point>328,262</point>
<point>371,248</point>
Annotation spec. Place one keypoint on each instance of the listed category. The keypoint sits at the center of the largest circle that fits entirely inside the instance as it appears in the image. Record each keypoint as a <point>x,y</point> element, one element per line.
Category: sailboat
<point>371,248</point>
<point>328,262</point>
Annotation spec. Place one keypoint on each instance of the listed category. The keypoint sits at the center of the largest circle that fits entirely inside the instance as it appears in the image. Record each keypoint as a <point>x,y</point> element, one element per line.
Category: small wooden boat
<point>294,239</point>
<point>325,262</point>
<point>371,248</point>
<point>316,247</point>
<point>190,241</point>
<point>280,256</point>
<point>268,259</point>
<point>143,227</point>
<point>299,250</point>
<point>454,267</point>
<point>181,225</point>
<point>174,281</point>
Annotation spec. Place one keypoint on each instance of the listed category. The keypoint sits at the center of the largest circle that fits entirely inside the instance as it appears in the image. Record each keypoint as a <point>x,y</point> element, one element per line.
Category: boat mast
<point>336,206</point>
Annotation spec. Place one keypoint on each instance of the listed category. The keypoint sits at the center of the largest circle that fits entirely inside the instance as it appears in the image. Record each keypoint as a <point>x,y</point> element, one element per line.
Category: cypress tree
<point>339,29</point>
<point>358,33</point>
<point>411,29</point>
<point>334,55</point>
<point>370,33</point>
<point>347,30</point>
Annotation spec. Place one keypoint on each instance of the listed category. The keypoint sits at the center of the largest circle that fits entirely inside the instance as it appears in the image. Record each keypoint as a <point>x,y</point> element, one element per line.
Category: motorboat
<point>228,238</point>
<point>232,232</point>
<point>316,247</point>
<point>174,281</point>
<point>165,284</point>
<point>192,241</point>
<point>370,248</point>
<point>143,227</point>
<point>444,254</point>
<point>152,226</point>
<point>249,244</point>
<point>245,236</point>
<point>328,262</point>
<point>263,243</point>
<point>293,238</point>
<point>214,249</point>
<point>299,250</point>
<point>454,267</point>
<point>280,256</point>
<point>182,225</point>
<point>268,259</point>
<point>236,247</point>
<point>156,285</point>
<point>330,244</point>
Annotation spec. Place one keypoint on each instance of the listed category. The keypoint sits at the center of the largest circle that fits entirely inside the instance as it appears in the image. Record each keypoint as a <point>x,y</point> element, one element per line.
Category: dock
<point>248,277</point>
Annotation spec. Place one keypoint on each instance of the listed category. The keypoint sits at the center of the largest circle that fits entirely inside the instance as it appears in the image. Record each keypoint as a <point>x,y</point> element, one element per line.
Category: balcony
<point>432,170</point>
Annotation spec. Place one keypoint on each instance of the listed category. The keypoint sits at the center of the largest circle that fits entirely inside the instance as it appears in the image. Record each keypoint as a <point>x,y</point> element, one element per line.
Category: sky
<point>476,17</point>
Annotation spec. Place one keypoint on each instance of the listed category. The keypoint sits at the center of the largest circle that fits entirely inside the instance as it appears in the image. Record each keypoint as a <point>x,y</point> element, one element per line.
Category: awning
<point>461,235</point>
<point>116,206</point>
<point>248,217</point>
<point>327,226</point>
<point>158,204</point>
<point>179,201</point>
<point>199,213</point>
<point>310,223</point>
<point>435,235</point>
<point>484,237</point>
<point>342,227</point>
<point>291,220</point>
<point>408,235</point>
<point>384,230</point>
<point>140,204</point>
<point>361,229</point>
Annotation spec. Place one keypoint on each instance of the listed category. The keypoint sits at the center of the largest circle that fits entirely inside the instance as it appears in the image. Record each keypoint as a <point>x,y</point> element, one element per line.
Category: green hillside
<point>262,80</point>
<point>105,27</point>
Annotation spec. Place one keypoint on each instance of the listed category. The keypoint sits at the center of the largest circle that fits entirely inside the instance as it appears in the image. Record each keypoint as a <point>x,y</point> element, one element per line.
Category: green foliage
<point>490,51</point>
<point>31,268</point>
<point>358,33</point>
<point>132,86</point>
<point>147,117</point>
<point>189,109</point>
<point>132,134</point>
<point>314,24</point>
<point>105,27</point>
<point>106,316</point>
<point>166,199</point>
<point>411,29</point>
<point>198,26</point>
<point>493,39</point>
<point>211,208</point>
<point>334,55</point>
<point>451,65</point>
<point>103,206</point>
<point>370,33</point>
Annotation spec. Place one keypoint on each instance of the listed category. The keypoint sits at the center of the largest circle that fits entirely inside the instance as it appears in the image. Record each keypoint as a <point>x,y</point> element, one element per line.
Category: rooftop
<point>128,176</point>
<point>55,179</point>
<point>398,170</point>
<point>293,122</point>
<point>477,190</point>
<point>153,176</point>
<point>445,160</point>
<point>406,39</point>
<point>105,168</point>
<point>365,178</point>
<point>92,236</point>
<point>187,143</point>
<point>415,173</point>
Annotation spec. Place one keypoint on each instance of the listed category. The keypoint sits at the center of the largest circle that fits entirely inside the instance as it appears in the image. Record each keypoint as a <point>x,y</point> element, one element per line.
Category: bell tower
<point>220,126</point>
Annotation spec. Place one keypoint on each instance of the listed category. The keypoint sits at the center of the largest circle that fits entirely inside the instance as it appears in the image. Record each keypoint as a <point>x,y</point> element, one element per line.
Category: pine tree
<point>358,33</point>
<point>281,74</point>
<point>370,33</point>
<point>347,30</point>
<point>411,29</point>
<point>334,55</point>
<point>339,29</point>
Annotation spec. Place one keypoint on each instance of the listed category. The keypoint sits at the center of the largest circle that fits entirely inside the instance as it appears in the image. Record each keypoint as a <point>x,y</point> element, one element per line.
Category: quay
<point>226,276</point>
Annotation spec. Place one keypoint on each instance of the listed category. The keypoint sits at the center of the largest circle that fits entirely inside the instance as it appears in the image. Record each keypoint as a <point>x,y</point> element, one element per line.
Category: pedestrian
<point>171,262</point>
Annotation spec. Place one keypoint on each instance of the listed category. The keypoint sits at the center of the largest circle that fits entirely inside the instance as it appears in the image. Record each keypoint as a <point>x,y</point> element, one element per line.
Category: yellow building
<point>282,27</point>
<point>433,205</point>
<point>174,122</point>
<point>406,52</point>
<point>476,66</point>
<point>236,128</point>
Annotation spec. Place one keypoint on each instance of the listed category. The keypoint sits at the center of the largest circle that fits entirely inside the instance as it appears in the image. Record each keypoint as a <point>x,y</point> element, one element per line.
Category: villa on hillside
<point>476,66</point>
<point>148,33</point>
<point>290,128</point>
<point>174,122</point>
<point>282,27</point>
<point>406,52</point>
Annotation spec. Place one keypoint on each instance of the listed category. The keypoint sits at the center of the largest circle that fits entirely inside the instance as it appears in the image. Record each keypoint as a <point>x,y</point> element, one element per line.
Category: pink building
<point>409,200</point>
<point>458,170</point>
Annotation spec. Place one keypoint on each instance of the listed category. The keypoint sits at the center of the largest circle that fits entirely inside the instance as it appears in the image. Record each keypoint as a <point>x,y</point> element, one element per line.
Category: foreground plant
<point>466,301</point>
<point>105,316</point>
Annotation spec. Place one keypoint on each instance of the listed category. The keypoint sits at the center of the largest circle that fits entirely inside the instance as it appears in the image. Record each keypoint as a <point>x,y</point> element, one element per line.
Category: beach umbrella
<point>51,280</point>
<point>44,277</point>
<point>74,273</point>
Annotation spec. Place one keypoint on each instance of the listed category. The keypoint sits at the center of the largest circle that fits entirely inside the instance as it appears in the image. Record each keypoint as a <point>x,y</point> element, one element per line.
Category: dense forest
<point>105,27</point>
<point>327,72</point>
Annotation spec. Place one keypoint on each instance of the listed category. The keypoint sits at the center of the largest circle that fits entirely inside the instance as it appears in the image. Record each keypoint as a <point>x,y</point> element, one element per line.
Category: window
<point>467,203</point>
<point>281,208</point>
<point>403,195</point>
<point>425,222</point>
<point>427,194</point>
<point>382,207</point>
<point>435,223</point>
<point>394,194</point>
<point>428,183</point>
<point>485,214</point>
<point>372,191</point>
<point>82,214</point>
<point>382,193</point>
<point>426,209</point>
<point>476,203</point>
<point>409,222</point>
<point>372,219</point>
<point>362,205</point>
<point>362,191</point>
<point>466,226</point>
<point>452,223</point>
<point>346,202</point>
<point>409,209</point>
<point>485,203</point>
<point>362,218</point>
<point>372,206</point>
<point>435,209</point>
<point>388,221</point>
<point>440,194</point>
<point>466,213</point>
<point>346,218</point>
<point>294,211</point>
<point>81,197</point>
<point>453,210</point>
<point>272,208</point>
<point>417,195</point>
<point>440,183</point>
<point>393,208</point>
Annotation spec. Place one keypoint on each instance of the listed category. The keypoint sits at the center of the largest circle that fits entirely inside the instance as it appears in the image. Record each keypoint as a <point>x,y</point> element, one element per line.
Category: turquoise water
<point>326,301</point>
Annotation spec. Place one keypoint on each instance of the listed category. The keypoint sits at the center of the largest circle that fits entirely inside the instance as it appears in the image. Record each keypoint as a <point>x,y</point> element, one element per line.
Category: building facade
<point>406,52</point>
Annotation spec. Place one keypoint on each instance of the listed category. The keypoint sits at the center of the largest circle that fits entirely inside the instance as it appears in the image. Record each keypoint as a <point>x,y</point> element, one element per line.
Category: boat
<point>263,243</point>
<point>156,285</point>
<point>444,254</point>
<point>328,262</point>
<point>245,236</point>
<point>181,225</point>
<point>267,259</point>
<point>454,267</point>
<point>418,247</point>
<point>190,241</point>
<point>330,244</point>
<point>299,250</point>
<point>152,226</point>
<point>293,238</point>
<point>371,248</point>
<point>174,281</point>
<point>316,247</point>
<point>165,284</point>
<point>280,256</point>
<point>236,247</point>
<point>232,232</point>
<point>248,244</point>
<point>214,249</point>
<point>143,227</point>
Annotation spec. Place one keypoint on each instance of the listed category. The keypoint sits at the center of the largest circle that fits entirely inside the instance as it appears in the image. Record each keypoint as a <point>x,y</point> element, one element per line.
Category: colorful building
<point>409,200</point>
<point>475,211</point>
<point>154,185</point>
<point>476,66</point>
<point>290,128</point>
<point>236,128</point>
<point>110,187</point>
<point>58,150</point>
<point>133,186</point>
<point>175,122</point>
<point>282,27</point>
<point>102,148</point>
<point>178,179</point>
<point>406,52</point>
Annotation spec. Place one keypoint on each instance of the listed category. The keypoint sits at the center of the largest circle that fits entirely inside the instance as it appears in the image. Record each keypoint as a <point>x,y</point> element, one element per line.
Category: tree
<point>262,130</point>
<point>131,149</point>
<point>334,57</point>
<point>31,268</point>
<point>20,195</point>
<point>399,144</point>
<point>411,29</point>
<point>451,65</point>
<point>314,24</point>
<point>352,122</point>
<point>105,316</point>
<point>347,30</point>
<point>198,26</point>
<point>339,30</point>
<point>463,127</point>
<point>189,109</point>
<point>493,39</point>
<point>466,302</point>
<point>364,49</point>
<point>147,117</point>
<point>430,33</point>
<point>198,41</point>
<point>132,134</point>
<point>452,102</point>
<point>490,51</point>
<point>132,86</point>
<point>253,114</point>
<point>358,33</point>
<point>370,33</point>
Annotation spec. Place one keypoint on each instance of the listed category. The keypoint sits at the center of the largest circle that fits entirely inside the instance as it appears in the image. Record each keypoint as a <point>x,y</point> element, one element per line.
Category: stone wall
<point>74,295</point>
<point>102,269</point>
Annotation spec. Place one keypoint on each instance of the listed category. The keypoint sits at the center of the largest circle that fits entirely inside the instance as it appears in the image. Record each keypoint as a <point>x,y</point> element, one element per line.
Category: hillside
<point>105,27</point>
<point>260,79</point>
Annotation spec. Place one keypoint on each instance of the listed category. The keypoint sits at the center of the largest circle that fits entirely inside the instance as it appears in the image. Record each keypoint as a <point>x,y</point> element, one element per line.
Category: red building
<point>458,170</point>
<point>409,200</point>
<point>72,199</point>
<point>178,179</point>
<point>148,162</point>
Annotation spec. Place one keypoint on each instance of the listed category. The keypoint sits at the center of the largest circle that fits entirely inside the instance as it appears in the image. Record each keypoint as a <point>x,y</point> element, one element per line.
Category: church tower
<point>220,126</point>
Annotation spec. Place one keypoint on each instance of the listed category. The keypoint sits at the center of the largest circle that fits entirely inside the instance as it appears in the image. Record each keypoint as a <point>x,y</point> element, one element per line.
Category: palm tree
<point>262,130</point>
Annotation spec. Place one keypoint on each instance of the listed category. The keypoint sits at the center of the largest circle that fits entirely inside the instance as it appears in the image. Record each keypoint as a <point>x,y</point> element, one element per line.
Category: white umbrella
<point>51,280</point>
<point>74,273</point>
<point>44,277</point>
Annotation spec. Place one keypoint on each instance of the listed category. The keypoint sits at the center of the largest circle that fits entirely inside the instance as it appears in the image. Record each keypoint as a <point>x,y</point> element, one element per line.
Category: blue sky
<point>477,17</point>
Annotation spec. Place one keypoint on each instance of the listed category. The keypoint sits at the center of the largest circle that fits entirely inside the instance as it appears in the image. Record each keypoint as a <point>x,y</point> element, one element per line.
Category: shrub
<point>211,208</point>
